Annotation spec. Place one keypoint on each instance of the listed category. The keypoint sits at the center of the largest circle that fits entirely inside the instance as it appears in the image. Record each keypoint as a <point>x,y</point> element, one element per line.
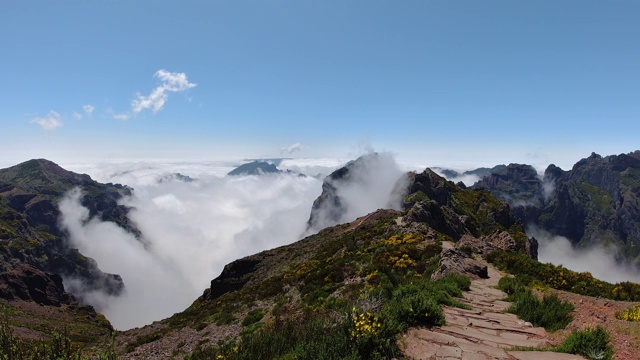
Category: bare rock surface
<point>483,332</point>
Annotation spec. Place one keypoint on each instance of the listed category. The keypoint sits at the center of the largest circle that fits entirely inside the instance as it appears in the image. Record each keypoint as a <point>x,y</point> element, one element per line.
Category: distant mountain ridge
<point>597,202</point>
<point>255,168</point>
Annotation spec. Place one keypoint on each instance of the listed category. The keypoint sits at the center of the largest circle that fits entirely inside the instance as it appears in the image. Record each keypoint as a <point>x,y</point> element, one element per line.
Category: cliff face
<point>29,215</point>
<point>596,202</point>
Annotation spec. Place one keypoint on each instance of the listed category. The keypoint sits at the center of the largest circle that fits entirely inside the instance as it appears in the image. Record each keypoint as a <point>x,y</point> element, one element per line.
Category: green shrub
<point>253,317</point>
<point>592,343</point>
<point>550,313</point>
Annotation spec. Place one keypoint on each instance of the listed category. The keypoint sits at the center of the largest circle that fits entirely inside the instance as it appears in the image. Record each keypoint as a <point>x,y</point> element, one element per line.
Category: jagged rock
<point>532,248</point>
<point>26,282</point>
<point>454,261</point>
<point>330,207</point>
<point>601,192</point>
<point>233,277</point>
<point>501,240</point>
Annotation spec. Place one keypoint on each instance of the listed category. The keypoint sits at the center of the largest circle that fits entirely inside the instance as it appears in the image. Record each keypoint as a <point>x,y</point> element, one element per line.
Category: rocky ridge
<point>597,202</point>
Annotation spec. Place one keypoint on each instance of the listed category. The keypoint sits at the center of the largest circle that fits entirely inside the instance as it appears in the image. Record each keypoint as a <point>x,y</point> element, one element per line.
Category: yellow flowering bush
<point>365,324</point>
<point>631,314</point>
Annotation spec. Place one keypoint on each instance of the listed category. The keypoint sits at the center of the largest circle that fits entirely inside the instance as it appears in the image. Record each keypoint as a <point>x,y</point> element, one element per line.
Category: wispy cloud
<point>50,122</point>
<point>122,116</point>
<point>170,82</point>
<point>291,148</point>
<point>88,109</point>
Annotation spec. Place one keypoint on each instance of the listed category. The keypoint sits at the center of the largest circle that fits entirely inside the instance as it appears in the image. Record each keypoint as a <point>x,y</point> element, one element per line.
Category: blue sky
<point>433,81</point>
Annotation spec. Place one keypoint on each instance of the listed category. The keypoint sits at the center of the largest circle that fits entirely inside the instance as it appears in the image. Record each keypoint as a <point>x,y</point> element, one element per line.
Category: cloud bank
<point>191,230</point>
<point>599,261</point>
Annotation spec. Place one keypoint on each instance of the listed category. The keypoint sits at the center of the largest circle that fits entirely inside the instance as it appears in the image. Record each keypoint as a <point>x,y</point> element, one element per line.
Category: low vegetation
<point>551,313</point>
<point>630,314</point>
<point>57,347</point>
<point>592,343</point>
<point>528,272</point>
<point>365,329</point>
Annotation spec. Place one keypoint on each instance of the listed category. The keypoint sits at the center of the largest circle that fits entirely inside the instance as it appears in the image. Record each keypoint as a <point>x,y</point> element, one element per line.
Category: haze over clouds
<point>192,229</point>
<point>599,261</point>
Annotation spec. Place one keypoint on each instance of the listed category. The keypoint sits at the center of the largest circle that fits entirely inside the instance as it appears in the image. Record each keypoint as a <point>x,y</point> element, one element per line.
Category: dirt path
<point>484,332</point>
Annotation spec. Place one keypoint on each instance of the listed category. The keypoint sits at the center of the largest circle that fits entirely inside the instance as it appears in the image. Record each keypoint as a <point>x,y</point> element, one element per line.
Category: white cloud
<point>50,122</point>
<point>291,148</point>
<point>170,82</point>
<point>77,115</point>
<point>122,116</point>
<point>88,109</point>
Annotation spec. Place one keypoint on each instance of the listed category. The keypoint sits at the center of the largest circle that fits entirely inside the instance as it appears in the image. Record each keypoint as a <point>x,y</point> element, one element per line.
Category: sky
<point>434,82</point>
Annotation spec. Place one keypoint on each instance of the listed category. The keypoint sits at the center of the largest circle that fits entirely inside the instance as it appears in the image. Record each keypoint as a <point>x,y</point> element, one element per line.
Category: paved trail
<point>484,332</point>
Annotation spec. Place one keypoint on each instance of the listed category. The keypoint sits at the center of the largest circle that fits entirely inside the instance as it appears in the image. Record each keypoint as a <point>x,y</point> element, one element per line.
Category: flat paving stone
<point>543,355</point>
<point>449,351</point>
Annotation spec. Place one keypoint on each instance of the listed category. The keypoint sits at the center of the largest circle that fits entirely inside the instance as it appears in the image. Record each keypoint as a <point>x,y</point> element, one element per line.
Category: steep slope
<point>345,266</point>
<point>596,202</point>
<point>35,253</point>
<point>29,215</point>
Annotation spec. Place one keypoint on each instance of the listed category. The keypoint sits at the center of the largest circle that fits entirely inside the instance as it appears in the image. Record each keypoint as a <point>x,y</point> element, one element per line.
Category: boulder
<point>454,261</point>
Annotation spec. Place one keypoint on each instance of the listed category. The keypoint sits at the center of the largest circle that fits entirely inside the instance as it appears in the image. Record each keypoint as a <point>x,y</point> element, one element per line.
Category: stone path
<point>484,332</point>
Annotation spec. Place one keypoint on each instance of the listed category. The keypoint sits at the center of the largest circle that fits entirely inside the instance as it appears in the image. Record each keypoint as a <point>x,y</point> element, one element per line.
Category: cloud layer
<point>192,231</point>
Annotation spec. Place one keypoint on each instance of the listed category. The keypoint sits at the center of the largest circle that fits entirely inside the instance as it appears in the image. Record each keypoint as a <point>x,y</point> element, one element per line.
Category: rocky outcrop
<point>454,261</point>
<point>594,203</point>
<point>26,282</point>
<point>498,240</point>
<point>456,211</point>
<point>29,215</point>
<point>234,276</point>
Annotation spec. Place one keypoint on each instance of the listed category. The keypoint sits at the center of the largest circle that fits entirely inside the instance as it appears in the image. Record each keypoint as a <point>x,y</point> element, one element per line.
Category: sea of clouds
<point>190,230</point>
